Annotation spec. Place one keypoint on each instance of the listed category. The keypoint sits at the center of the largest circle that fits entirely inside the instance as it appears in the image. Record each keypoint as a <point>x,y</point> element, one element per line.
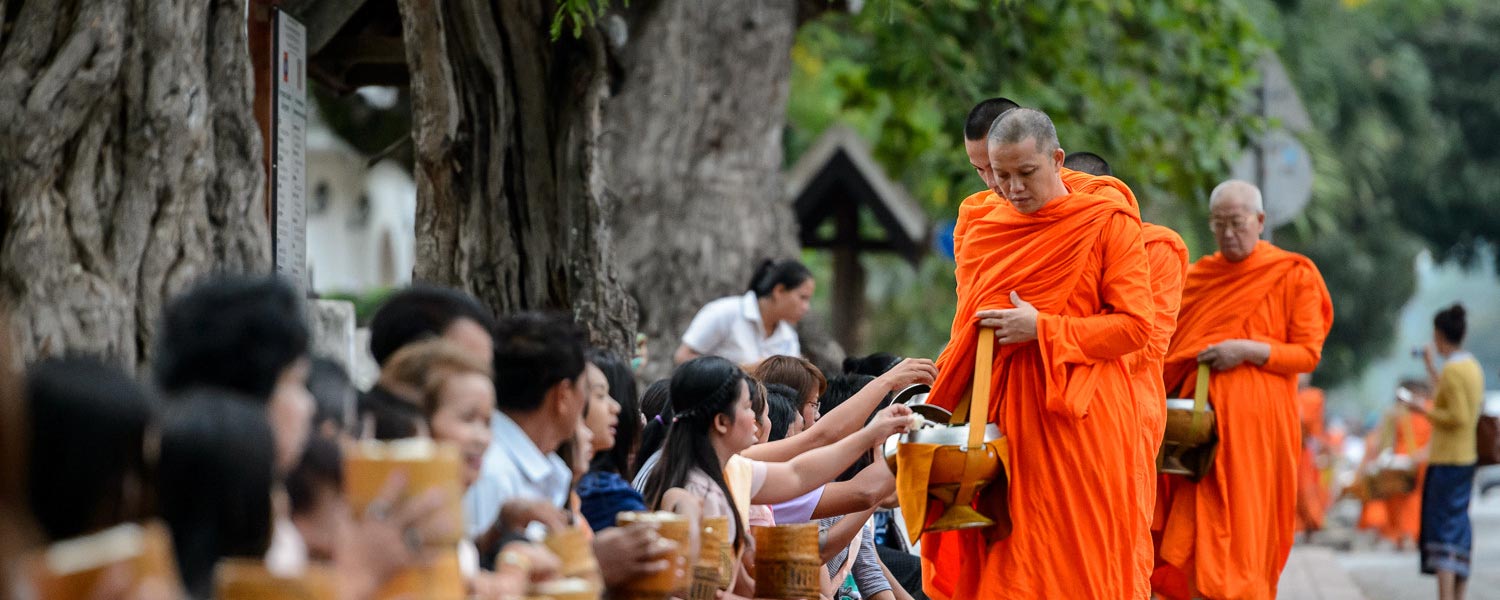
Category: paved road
<point>1384,574</point>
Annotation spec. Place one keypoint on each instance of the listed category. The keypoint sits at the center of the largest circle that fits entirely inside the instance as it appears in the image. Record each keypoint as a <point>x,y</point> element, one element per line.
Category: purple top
<point>799,509</point>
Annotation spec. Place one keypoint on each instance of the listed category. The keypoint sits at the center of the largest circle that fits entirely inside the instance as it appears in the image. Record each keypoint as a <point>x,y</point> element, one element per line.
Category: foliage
<point>1399,94</point>
<point>577,14</point>
<point>1154,85</point>
<point>1402,102</point>
<point>365,303</point>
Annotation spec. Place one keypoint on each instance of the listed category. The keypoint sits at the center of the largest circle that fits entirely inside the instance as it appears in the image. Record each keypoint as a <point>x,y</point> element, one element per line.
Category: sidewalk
<point>1313,573</point>
<point>1384,574</point>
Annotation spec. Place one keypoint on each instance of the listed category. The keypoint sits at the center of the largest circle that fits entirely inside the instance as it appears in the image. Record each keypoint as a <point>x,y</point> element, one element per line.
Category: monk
<point>976,132</point>
<point>1062,278</point>
<point>1312,495</point>
<point>1406,433</point>
<point>1258,316</point>
<point>1168,258</point>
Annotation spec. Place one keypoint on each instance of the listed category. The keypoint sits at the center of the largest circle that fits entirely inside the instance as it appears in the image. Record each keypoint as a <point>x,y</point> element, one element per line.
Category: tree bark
<point>132,166</point>
<point>510,198</point>
<point>693,154</point>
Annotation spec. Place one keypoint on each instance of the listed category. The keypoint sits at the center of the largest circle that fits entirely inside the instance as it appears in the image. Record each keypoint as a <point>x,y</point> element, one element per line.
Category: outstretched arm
<point>845,420</point>
<point>787,480</point>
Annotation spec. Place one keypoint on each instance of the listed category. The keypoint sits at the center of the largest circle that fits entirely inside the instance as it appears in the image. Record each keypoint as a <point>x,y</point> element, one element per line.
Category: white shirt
<point>732,328</point>
<point>513,467</point>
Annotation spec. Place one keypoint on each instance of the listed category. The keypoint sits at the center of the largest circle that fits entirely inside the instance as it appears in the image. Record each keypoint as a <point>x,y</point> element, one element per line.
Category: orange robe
<point>1229,534</point>
<point>1312,495</point>
<point>970,209</point>
<point>1168,258</point>
<point>1064,400</point>
<point>1399,517</point>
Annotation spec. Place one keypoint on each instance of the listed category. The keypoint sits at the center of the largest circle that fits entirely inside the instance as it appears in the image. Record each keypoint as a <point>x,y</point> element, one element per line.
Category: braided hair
<point>701,390</point>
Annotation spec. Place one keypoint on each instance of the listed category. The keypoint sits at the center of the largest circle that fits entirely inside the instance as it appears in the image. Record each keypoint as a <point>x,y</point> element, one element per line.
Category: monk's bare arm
<point>1307,329</point>
<point>1125,324</point>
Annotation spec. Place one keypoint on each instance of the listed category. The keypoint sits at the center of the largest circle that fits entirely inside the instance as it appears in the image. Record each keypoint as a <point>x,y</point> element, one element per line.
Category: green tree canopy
<point>1163,89</point>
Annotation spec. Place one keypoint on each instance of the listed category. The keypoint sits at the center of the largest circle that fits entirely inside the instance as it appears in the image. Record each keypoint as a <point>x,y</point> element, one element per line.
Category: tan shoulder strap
<point>979,402</point>
<point>1200,400</point>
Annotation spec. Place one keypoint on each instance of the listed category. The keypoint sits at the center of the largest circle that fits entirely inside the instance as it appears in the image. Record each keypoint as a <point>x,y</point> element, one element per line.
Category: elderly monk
<point>1257,315</point>
<point>1062,278</point>
<point>1168,257</point>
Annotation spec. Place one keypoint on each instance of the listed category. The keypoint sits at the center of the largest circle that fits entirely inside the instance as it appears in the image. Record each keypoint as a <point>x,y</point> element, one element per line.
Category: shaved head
<point>1025,124</point>
<point>1236,190</point>
<point>1087,162</point>
<point>983,115</point>
<point>1025,160</point>
<point>1237,218</point>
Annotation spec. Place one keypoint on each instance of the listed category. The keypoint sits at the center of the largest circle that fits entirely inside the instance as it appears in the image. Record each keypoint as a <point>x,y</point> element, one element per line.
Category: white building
<point>360,220</point>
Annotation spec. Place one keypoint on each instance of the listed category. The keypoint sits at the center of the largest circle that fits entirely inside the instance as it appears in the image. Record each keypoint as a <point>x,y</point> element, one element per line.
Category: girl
<point>713,420</point>
<point>614,417</point>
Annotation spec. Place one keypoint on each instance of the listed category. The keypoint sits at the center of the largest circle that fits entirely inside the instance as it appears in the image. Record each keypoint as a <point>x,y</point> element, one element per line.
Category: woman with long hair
<point>713,420</point>
<point>605,490</point>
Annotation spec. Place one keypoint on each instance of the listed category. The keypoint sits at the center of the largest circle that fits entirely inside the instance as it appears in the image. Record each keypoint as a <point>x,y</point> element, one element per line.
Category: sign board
<point>1282,168</point>
<point>1280,102</point>
<point>289,149</point>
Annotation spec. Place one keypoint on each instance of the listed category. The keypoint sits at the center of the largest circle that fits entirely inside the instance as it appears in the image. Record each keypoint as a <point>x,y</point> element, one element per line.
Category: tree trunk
<point>131,166</point>
<point>693,154</point>
<point>510,200</point>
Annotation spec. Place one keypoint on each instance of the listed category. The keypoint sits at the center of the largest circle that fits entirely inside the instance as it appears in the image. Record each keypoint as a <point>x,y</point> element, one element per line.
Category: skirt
<point>1447,536</point>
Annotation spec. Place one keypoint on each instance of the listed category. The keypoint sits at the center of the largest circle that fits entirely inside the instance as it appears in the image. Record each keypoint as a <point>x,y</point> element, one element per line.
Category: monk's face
<point>1026,175</point>
<point>979,158</point>
<point>1236,226</point>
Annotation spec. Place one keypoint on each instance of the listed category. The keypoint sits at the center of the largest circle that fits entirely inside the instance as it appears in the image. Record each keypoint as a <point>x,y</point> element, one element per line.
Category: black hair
<point>1450,323</point>
<point>757,396</point>
<point>333,395</point>
<point>232,332</point>
<point>657,395</point>
<point>217,465</point>
<point>873,365</point>
<point>840,390</point>
<point>419,312</point>
<point>984,114</point>
<point>788,273</point>
<point>702,389</point>
<point>1087,162</point>
<point>322,467</point>
<point>628,431</point>
<point>87,468</point>
<point>656,399</point>
<point>533,352</point>
<point>784,409</point>
<point>392,416</point>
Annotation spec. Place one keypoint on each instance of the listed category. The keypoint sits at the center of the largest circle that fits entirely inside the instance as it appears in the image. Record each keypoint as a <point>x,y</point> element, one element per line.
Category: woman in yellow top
<point>1447,536</point>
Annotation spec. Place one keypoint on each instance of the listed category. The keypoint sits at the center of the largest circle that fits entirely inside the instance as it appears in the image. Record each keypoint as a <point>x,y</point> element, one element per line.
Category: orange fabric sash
<point>1040,257</point>
<point>1213,284</point>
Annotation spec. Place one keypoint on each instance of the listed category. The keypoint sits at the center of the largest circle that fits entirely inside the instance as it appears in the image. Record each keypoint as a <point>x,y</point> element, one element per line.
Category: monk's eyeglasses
<point>1228,224</point>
